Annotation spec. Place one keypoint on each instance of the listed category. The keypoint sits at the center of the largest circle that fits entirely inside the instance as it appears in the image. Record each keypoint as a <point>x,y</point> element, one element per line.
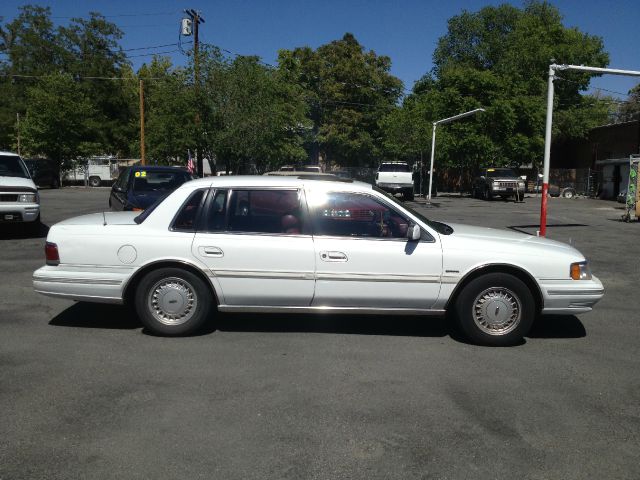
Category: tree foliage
<point>349,89</point>
<point>498,58</point>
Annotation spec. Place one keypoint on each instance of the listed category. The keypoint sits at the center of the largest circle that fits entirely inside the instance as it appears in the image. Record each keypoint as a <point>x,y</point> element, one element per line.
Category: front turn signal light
<point>580,271</point>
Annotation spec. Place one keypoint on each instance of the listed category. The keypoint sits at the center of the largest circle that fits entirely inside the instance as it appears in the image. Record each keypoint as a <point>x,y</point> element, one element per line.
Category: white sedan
<point>301,245</point>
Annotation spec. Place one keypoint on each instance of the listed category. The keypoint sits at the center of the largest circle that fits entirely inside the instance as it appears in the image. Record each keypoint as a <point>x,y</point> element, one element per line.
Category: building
<point>605,152</point>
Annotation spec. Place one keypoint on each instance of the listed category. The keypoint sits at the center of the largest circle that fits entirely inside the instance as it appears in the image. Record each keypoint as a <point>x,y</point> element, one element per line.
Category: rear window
<point>153,180</point>
<point>394,167</point>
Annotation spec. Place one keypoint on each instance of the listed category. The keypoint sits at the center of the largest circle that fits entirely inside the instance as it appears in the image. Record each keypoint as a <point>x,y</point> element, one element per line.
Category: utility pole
<point>18,129</point>
<point>142,149</point>
<point>196,19</point>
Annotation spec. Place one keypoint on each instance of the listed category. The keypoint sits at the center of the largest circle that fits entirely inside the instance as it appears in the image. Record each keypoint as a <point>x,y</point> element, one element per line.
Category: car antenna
<point>104,219</point>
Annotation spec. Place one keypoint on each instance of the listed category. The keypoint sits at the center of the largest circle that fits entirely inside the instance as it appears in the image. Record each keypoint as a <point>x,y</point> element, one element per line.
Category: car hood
<point>17,182</point>
<point>506,179</point>
<point>508,237</point>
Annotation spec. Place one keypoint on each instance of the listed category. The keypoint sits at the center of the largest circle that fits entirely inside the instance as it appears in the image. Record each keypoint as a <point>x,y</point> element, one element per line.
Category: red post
<point>543,210</point>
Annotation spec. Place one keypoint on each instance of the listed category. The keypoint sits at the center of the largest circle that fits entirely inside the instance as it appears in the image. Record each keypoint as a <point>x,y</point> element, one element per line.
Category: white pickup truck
<point>395,177</point>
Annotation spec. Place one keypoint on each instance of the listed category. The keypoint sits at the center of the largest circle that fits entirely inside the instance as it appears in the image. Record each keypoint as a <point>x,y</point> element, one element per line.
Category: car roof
<point>158,167</point>
<point>329,182</point>
<point>9,153</point>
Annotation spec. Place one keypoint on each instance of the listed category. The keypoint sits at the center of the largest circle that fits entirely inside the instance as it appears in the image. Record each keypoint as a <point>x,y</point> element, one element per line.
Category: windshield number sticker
<point>141,174</point>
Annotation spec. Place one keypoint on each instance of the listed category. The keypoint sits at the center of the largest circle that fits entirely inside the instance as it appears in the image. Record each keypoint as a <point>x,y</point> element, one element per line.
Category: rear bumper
<point>100,285</point>
<point>395,187</point>
<point>570,297</point>
<point>19,212</point>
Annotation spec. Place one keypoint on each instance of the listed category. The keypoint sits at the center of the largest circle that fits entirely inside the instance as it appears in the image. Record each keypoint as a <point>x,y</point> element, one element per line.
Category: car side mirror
<point>414,233</point>
<point>117,188</point>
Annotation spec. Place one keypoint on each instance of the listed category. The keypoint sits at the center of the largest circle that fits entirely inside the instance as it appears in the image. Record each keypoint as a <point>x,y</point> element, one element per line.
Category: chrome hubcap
<point>497,311</point>
<point>172,301</point>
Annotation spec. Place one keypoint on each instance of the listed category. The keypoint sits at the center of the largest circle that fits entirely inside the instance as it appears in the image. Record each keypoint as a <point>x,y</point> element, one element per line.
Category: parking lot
<point>86,393</point>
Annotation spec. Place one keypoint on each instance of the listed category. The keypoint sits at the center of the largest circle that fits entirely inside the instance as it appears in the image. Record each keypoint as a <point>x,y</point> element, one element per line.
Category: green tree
<point>498,58</point>
<point>29,46</point>
<point>349,90</point>
<point>169,111</point>
<point>55,123</point>
<point>252,115</point>
<point>630,109</point>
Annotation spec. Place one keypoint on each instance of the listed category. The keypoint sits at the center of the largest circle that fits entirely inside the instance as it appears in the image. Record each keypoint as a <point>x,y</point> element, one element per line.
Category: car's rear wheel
<point>408,195</point>
<point>94,181</point>
<point>55,183</point>
<point>486,194</point>
<point>172,301</point>
<point>496,309</point>
<point>568,193</point>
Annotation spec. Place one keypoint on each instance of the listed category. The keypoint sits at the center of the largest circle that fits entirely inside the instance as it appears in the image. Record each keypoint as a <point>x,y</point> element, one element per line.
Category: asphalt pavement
<point>86,393</point>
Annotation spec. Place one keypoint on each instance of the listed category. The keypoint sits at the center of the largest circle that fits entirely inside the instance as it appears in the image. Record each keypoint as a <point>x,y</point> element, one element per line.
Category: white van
<point>19,198</point>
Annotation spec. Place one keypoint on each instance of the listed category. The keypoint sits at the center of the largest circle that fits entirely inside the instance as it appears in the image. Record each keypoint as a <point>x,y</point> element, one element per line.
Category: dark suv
<point>44,172</point>
<point>138,187</point>
<point>502,182</point>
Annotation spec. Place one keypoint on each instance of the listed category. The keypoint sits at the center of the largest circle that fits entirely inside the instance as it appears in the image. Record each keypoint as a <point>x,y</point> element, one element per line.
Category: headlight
<point>521,184</point>
<point>580,271</point>
<point>28,198</point>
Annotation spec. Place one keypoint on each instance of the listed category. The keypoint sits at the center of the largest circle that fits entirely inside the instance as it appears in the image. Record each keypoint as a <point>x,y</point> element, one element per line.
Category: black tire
<point>496,309</point>
<point>33,228</point>
<point>486,194</point>
<point>474,193</point>
<point>172,286</point>
<point>55,183</point>
<point>408,195</point>
<point>94,181</point>
<point>568,193</point>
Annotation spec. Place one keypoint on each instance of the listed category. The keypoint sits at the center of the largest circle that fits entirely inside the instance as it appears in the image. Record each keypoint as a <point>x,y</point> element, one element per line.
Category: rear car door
<point>257,245</point>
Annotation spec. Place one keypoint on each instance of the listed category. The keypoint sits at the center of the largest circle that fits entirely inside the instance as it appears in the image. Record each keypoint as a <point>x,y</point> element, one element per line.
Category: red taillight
<point>51,253</point>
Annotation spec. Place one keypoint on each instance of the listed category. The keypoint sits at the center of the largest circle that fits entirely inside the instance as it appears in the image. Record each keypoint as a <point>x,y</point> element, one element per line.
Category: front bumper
<point>570,297</point>
<point>19,212</point>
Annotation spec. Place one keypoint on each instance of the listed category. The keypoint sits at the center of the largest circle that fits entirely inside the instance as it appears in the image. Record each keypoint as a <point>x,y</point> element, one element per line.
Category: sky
<point>405,30</point>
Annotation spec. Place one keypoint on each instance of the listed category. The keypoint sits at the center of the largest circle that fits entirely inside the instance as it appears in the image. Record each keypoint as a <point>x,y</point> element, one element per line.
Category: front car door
<point>364,258</point>
<point>257,246</point>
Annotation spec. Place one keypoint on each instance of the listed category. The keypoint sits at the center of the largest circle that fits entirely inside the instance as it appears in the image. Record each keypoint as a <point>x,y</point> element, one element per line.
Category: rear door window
<point>265,211</point>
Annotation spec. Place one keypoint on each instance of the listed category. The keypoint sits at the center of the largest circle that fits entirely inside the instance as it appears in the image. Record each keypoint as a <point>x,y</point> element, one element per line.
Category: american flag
<point>191,166</point>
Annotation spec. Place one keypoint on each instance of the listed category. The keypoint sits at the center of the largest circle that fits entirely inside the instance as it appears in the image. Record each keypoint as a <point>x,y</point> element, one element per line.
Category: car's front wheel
<point>495,309</point>
<point>172,301</point>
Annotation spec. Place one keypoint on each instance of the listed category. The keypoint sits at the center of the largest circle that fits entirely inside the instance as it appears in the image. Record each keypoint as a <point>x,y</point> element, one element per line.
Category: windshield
<point>439,227</point>
<point>12,166</point>
<point>158,181</point>
<point>500,172</point>
<point>394,167</point>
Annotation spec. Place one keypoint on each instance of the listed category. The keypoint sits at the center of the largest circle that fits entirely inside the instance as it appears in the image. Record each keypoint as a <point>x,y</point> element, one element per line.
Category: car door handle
<point>211,252</point>
<point>333,256</point>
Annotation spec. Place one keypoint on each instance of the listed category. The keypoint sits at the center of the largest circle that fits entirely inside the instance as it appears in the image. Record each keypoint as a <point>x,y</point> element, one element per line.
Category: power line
<point>158,14</point>
<point>149,48</point>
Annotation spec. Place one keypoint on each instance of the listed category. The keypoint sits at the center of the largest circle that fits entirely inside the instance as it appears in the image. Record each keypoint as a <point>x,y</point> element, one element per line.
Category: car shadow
<point>519,228</point>
<point>119,317</point>
<point>104,316</point>
<point>408,326</point>
<point>23,231</point>
<point>94,315</point>
<point>557,326</point>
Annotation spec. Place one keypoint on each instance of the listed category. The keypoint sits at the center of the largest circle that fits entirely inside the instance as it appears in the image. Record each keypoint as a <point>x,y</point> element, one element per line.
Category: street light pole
<point>433,140</point>
<point>549,123</point>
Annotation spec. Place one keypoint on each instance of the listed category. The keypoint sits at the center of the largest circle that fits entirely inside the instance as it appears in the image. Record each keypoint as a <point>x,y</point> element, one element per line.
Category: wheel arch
<point>132,284</point>
<point>518,272</point>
